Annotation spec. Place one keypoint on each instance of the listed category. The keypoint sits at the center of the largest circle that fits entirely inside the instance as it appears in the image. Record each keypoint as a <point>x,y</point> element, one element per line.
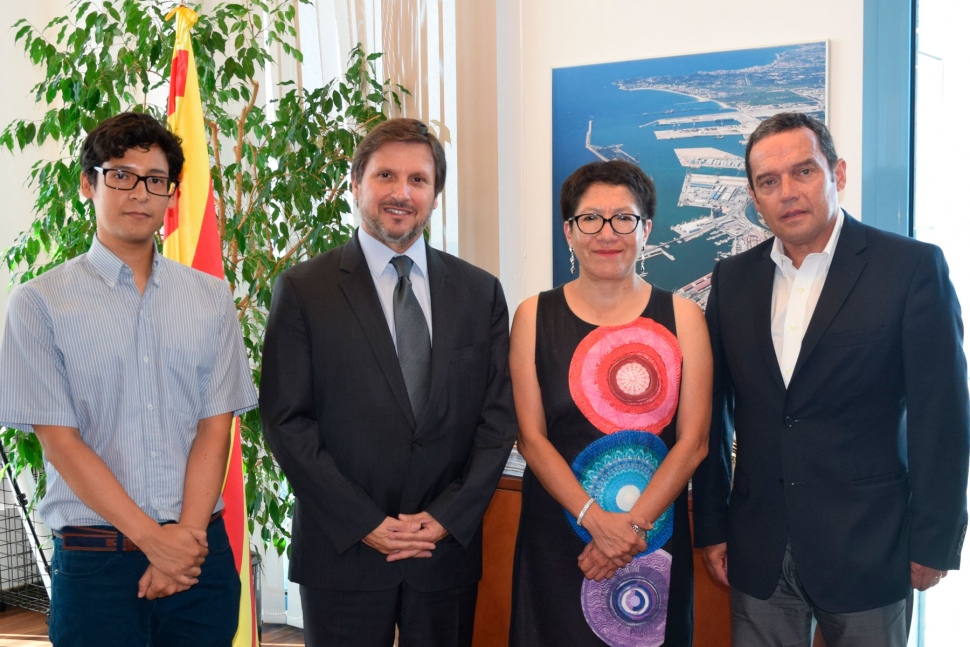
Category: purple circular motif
<point>630,608</point>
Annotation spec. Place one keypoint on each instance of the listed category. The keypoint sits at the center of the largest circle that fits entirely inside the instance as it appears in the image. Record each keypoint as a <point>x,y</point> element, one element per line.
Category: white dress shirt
<point>794,296</point>
<point>378,257</point>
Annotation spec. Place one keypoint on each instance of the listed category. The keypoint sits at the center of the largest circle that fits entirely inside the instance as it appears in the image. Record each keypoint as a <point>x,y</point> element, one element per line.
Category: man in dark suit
<point>386,400</point>
<point>839,368</point>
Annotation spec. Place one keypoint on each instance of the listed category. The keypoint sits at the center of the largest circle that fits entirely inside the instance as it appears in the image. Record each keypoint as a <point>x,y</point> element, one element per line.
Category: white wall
<point>536,36</point>
<point>18,103</point>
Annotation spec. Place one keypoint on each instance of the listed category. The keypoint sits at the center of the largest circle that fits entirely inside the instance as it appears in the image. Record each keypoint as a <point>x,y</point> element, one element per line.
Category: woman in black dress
<point>612,383</point>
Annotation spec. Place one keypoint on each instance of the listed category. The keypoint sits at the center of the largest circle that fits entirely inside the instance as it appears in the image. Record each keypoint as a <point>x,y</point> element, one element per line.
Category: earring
<point>572,261</point>
<point>643,259</point>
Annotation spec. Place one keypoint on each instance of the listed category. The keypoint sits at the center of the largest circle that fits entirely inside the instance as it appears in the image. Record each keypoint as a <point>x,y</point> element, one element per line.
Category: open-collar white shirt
<point>794,295</point>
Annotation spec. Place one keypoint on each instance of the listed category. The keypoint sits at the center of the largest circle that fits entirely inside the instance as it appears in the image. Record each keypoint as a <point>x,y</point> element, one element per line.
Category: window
<point>939,216</point>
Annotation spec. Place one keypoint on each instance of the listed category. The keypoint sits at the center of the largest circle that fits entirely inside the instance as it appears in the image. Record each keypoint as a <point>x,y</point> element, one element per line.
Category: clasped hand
<point>410,535</point>
<point>175,554</point>
<point>615,543</point>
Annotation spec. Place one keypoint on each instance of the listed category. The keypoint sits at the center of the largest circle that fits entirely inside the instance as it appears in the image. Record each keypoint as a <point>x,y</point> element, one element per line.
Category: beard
<point>376,228</point>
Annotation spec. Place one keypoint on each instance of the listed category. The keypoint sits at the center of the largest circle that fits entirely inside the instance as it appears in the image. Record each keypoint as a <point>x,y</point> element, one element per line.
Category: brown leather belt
<point>101,538</point>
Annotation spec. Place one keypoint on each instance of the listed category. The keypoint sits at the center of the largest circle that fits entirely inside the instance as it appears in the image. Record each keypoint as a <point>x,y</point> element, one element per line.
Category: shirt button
<point>145,359</point>
<point>154,454</point>
<point>151,407</point>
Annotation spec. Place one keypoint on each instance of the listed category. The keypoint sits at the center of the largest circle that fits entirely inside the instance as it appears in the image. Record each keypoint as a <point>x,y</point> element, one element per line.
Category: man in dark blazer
<point>391,479</point>
<point>840,371</point>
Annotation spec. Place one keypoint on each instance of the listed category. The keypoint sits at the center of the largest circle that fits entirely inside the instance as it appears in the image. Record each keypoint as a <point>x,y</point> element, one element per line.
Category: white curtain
<point>417,39</point>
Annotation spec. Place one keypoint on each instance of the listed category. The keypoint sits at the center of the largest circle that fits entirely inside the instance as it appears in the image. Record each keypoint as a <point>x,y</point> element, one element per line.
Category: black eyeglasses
<point>122,180</point>
<point>593,223</point>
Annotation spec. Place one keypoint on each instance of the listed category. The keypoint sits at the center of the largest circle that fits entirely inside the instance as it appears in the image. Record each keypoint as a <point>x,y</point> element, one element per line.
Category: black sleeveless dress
<point>610,396</point>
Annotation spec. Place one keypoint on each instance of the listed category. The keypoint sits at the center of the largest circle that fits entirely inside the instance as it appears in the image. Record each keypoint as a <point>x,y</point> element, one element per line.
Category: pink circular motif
<point>630,381</point>
<point>627,377</point>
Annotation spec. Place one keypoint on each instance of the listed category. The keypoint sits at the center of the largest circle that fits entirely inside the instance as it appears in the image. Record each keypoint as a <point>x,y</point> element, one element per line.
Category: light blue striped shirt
<point>133,373</point>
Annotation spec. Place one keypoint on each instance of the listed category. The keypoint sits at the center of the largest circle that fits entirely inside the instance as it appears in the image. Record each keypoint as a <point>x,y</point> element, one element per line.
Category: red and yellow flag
<point>192,238</point>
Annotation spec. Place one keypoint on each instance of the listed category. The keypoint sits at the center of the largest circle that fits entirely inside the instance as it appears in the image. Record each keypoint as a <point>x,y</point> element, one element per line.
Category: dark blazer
<point>336,415</point>
<point>862,461</point>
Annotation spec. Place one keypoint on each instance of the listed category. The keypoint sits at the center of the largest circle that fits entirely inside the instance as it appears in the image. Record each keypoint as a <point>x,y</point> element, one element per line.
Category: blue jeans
<point>94,600</point>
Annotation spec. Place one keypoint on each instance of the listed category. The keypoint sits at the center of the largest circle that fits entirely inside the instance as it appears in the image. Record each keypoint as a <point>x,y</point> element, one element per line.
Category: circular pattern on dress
<point>627,377</point>
<point>630,608</point>
<point>614,470</point>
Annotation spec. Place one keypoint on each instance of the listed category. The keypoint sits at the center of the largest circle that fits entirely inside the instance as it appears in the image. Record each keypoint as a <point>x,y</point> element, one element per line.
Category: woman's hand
<point>614,536</point>
<point>594,564</point>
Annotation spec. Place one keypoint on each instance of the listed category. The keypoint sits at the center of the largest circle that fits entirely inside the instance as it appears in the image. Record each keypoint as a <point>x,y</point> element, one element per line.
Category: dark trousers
<point>785,619</point>
<point>368,618</point>
<point>94,600</point>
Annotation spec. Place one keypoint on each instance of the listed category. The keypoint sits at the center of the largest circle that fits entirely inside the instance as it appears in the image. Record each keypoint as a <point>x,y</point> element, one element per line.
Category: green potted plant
<point>279,168</point>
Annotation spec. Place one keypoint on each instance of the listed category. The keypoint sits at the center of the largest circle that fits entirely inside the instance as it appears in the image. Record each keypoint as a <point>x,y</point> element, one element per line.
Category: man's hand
<point>595,565</point>
<point>177,551</point>
<point>400,539</point>
<point>715,557</point>
<point>427,526</point>
<point>155,584</point>
<point>924,577</point>
<point>428,529</point>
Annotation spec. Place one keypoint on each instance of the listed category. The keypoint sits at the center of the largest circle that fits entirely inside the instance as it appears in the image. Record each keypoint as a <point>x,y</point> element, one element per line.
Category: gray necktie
<point>413,339</point>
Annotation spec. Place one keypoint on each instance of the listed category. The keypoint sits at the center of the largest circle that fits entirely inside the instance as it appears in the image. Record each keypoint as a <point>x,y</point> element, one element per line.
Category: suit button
<point>789,421</point>
<point>415,447</point>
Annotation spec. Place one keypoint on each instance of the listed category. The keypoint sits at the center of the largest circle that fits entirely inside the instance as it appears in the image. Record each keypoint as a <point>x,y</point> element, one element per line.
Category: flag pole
<point>191,237</point>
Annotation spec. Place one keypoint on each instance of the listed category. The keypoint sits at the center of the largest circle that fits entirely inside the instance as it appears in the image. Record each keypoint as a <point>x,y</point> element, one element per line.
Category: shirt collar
<point>783,261</point>
<point>378,255</point>
<point>110,267</point>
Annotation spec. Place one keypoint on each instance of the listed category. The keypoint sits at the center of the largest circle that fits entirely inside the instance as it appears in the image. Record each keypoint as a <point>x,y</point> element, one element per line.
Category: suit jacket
<point>336,415</point>
<point>862,461</point>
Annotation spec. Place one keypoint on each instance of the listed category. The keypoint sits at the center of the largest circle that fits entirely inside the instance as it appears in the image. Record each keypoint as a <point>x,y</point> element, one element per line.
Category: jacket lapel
<point>764,277</point>
<point>844,271</point>
<point>358,287</point>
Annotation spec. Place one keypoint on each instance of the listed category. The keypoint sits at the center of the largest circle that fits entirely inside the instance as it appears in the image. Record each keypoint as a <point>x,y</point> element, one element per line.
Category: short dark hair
<point>784,122</point>
<point>401,129</point>
<point>115,136</point>
<point>615,173</point>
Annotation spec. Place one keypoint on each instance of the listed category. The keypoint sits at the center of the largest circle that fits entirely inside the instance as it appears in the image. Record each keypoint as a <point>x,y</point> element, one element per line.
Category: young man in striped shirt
<point>129,368</point>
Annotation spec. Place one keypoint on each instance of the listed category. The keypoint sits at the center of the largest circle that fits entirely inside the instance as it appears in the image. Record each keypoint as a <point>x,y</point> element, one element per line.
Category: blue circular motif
<point>615,465</point>
<point>634,601</point>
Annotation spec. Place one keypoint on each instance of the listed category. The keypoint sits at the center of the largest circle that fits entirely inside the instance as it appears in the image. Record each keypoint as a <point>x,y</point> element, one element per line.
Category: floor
<point>21,628</point>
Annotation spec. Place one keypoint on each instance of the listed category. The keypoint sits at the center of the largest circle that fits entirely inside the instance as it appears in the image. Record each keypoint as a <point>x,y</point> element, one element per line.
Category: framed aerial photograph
<point>685,121</point>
